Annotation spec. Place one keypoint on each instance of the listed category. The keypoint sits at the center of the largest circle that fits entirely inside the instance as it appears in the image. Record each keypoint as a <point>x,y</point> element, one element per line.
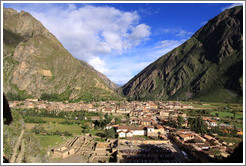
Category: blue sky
<point>121,39</point>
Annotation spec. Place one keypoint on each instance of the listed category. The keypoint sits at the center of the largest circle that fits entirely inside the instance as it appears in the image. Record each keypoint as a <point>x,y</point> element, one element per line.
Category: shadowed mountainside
<point>207,67</point>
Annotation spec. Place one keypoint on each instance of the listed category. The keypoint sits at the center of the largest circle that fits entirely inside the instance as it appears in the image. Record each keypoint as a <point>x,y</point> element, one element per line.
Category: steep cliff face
<point>36,63</point>
<point>208,66</point>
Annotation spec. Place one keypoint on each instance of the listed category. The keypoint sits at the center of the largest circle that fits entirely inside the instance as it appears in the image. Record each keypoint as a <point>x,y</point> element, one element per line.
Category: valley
<point>111,128</point>
<point>184,106</point>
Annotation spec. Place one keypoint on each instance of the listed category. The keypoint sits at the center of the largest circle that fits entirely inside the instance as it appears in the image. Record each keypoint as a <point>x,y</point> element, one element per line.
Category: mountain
<point>207,67</point>
<point>102,76</point>
<point>35,64</point>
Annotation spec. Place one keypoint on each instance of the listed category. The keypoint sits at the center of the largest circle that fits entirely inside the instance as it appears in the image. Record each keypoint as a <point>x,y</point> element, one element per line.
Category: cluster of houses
<point>202,147</point>
<point>149,131</point>
<point>101,106</point>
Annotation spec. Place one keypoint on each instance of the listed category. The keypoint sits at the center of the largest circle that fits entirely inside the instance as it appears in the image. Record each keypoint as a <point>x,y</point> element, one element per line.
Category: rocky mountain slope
<point>35,63</point>
<point>208,66</point>
<point>102,76</point>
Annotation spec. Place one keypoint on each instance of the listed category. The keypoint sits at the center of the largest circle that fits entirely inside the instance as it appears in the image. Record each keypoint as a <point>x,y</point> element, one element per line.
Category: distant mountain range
<point>35,64</point>
<point>207,67</point>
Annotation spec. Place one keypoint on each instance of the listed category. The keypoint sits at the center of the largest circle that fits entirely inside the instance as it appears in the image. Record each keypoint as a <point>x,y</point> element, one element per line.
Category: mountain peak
<point>36,64</point>
<point>202,68</point>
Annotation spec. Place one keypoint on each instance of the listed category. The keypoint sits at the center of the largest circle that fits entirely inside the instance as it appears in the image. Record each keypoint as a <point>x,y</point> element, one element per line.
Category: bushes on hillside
<point>33,120</point>
<point>39,129</point>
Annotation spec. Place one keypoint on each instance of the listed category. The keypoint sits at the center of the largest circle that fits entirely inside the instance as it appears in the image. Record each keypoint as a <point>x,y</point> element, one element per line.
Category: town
<point>139,131</point>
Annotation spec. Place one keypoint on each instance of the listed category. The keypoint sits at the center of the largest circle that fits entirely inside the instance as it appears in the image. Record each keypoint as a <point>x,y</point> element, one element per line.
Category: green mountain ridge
<point>207,67</point>
<point>35,64</point>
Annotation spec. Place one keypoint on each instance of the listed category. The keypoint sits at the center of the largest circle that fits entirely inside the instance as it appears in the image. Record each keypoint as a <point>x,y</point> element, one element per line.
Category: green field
<point>212,105</point>
<point>56,120</point>
<point>49,141</point>
<point>74,128</point>
<point>225,114</point>
<point>53,124</point>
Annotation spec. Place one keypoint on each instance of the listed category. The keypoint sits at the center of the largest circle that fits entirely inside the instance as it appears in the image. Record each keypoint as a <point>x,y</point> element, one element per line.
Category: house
<point>121,134</point>
<point>197,136</point>
<point>151,106</point>
<point>94,118</point>
<point>122,130</point>
<point>122,107</point>
<point>186,137</point>
<point>151,132</point>
<point>30,105</point>
<point>136,113</point>
<point>210,122</point>
<point>108,126</point>
<point>164,113</point>
<point>155,131</point>
<point>160,129</point>
<point>134,121</point>
<point>108,110</point>
<point>92,109</point>
<point>146,122</point>
<point>129,134</point>
<point>209,138</point>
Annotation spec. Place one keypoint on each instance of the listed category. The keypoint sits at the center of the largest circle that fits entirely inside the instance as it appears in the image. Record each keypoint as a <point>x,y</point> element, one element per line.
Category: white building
<point>124,131</point>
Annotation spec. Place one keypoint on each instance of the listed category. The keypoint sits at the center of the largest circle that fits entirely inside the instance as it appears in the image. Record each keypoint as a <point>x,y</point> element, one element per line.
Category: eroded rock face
<point>201,68</point>
<point>35,62</point>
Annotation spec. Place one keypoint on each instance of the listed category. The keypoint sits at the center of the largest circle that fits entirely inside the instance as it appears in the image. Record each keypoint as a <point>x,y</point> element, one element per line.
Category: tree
<point>107,118</point>
<point>110,133</point>
<point>38,129</point>
<point>197,124</point>
<point>217,114</point>
<point>117,120</point>
<point>102,124</point>
<point>86,128</point>
<point>96,123</point>
<point>180,120</point>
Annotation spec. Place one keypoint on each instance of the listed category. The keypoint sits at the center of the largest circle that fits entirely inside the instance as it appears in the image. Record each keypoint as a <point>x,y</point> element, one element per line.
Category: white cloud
<point>122,71</point>
<point>179,32</point>
<point>97,33</point>
<point>139,33</point>
<point>167,45</point>
<point>98,64</point>
<point>91,31</point>
<point>231,6</point>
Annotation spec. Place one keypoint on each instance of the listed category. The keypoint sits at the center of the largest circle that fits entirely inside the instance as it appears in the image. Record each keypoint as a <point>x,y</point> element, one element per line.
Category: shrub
<point>38,129</point>
<point>66,122</point>
<point>67,133</point>
<point>33,120</point>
